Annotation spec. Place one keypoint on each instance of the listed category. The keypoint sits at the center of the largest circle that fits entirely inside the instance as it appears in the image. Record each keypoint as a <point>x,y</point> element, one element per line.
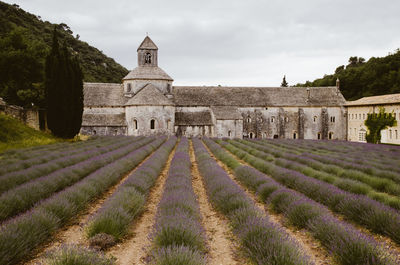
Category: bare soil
<point>313,248</point>
<point>222,249</point>
<point>135,250</point>
<point>74,233</point>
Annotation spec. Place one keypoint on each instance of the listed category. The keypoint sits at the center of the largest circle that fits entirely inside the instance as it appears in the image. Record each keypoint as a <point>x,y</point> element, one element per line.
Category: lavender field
<point>160,200</point>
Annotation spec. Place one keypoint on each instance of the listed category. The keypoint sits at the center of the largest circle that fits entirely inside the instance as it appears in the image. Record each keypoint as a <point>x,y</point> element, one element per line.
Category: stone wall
<point>294,122</point>
<point>103,130</point>
<point>28,116</point>
<point>139,119</point>
<point>357,116</point>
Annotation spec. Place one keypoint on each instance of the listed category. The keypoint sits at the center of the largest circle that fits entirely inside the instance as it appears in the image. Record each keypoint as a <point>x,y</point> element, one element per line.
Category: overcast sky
<point>233,42</point>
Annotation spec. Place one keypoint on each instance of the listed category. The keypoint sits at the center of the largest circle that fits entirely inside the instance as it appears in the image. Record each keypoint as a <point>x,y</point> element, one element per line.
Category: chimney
<point>337,86</point>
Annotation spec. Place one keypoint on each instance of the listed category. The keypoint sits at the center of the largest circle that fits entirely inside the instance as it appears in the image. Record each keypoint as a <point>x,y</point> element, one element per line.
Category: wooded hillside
<point>377,76</point>
<point>25,41</point>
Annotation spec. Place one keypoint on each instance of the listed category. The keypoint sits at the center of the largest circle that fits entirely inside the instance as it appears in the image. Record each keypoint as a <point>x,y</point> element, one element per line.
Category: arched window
<point>315,118</point>
<point>330,135</point>
<point>135,125</point>
<point>264,135</point>
<point>272,119</point>
<point>248,120</point>
<point>229,133</point>
<point>319,136</point>
<point>333,118</point>
<point>152,124</point>
<point>294,135</point>
<point>251,135</point>
<point>94,132</point>
<point>147,58</point>
<point>286,119</point>
<point>115,132</point>
<point>129,87</point>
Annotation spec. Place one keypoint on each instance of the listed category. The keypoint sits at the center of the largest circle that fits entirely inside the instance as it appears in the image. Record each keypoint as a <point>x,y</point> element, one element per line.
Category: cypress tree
<point>284,83</point>
<point>64,91</point>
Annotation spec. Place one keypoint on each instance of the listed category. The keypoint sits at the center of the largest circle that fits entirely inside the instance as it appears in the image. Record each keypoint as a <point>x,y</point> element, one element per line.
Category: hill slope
<point>97,67</point>
<point>15,134</point>
<point>377,76</point>
<point>25,41</point>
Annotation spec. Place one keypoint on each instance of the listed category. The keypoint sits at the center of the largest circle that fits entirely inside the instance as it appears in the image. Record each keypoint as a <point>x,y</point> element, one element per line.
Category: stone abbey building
<point>147,103</point>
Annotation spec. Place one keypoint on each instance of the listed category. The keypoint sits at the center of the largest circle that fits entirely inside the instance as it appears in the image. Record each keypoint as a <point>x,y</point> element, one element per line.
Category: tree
<point>64,91</point>
<point>21,69</point>
<point>284,83</point>
<point>376,122</point>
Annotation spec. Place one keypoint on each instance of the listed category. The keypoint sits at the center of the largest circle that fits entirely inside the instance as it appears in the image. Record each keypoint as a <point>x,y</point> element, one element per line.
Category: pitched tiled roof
<point>148,72</point>
<point>193,118</point>
<point>103,94</point>
<point>256,96</point>
<point>226,113</point>
<point>148,44</point>
<point>104,120</point>
<point>376,100</point>
<point>149,95</point>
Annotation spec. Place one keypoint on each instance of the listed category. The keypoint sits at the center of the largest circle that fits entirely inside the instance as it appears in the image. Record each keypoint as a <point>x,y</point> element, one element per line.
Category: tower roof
<point>147,44</point>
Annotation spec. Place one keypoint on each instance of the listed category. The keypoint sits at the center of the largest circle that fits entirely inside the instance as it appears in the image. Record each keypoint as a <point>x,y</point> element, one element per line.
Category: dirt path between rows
<point>135,250</point>
<point>74,233</point>
<point>313,248</point>
<point>222,249</point>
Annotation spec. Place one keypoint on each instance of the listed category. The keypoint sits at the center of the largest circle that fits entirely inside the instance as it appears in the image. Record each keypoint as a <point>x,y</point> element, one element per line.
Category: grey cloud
<point>253,42</point>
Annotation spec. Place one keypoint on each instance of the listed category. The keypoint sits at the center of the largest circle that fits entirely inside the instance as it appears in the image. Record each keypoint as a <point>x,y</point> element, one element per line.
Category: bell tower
<point>147,53</point>
<point>147,72</point>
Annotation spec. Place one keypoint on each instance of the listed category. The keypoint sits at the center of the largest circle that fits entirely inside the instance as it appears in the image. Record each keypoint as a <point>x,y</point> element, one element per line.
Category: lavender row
<point>261,240</point>
<point>112,220</point>
<point>348,245</point>
<point>20,236</point>
<point>350,162</point>
<point>26,195</point>
<point>358,208</point>
<point>354,152</point>
<point>13,179</point>
<point>178,236</point>
<point>12,164</point>
<point>348,180</point>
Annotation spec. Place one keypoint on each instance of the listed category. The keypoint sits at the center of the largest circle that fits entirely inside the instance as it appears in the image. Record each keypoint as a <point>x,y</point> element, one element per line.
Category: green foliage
<point>64,91</point>
<point>284,83</point>
<point>15,134</point>
<point>24,43</point>
<point>376,122</point>
<point>21,69</point>
<point>377,76</point>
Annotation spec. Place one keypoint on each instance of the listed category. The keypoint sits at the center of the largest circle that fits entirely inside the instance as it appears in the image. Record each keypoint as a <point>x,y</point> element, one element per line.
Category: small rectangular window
<point>363,116</point>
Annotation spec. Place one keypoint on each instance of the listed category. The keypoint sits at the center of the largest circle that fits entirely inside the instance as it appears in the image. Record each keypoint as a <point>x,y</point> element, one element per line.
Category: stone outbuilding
<point>358,111</point>
<point>147,103</point>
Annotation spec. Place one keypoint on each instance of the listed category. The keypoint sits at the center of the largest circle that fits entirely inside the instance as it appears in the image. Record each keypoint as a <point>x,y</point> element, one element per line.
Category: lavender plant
<point>25,196</point>
<point>75,255</point>
<point>261,240</point>
<point>20,235</point>
<point>15,178</point>
<point>375,216</point>
<point>346,244</point>
<point>114,217</point>
<point>177,234</point>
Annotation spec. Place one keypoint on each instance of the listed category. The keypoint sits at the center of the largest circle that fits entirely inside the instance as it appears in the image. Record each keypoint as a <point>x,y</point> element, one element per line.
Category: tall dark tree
<point>64,91</point>
<point>284,83</point>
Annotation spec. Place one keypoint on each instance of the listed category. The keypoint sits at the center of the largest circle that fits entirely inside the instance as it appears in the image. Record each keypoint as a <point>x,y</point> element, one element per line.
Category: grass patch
<point>15,134</point>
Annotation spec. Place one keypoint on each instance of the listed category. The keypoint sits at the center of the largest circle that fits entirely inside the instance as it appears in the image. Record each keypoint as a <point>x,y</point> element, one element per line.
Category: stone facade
<point>147,103</point>
<point>28,116</point>
<point>358,111</point>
